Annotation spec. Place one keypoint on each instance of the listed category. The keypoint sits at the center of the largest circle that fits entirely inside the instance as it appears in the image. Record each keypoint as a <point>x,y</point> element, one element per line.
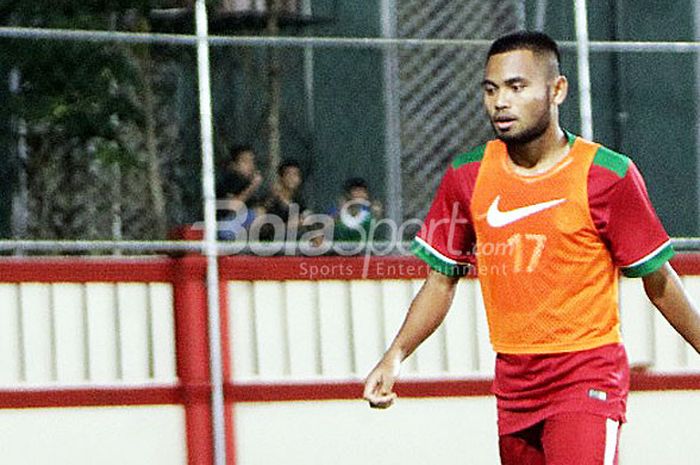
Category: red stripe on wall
<point>352,390</point>
<point>90,397</point>
<point>251,268</point>
<point>286,392</point>
<point>664,382</point>
<point>248,268</point>
<point>283,392</point>
<point>687,263</point>
<point>81,270</point>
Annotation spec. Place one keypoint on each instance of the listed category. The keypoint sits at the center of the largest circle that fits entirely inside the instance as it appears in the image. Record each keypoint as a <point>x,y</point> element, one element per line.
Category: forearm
<point>426,313</point>
<point>250,189</point>
<point>245,195</point>
<point>666,292</point>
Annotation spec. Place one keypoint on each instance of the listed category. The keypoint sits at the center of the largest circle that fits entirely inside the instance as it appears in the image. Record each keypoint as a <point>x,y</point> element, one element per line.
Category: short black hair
<point>291,163</point>
<point>237,150</point>
<point>355,182</point>
<point>537,42</point>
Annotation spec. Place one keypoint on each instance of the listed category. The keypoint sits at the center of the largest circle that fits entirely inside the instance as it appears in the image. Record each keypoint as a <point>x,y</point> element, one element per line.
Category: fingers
<point>382,402</point>
<point>378,392</point>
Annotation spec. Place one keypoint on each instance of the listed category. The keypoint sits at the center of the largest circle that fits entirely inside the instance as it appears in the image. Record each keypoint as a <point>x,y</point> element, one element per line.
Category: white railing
<point>86,333</point>
<point>300,330</point>
<point>297,330</point>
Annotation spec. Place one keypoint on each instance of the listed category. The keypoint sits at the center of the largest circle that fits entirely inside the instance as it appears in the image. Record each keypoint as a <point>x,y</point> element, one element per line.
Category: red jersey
<point>547,249</point>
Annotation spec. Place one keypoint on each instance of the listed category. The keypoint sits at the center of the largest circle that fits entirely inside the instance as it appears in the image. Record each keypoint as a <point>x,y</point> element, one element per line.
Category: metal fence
<point>440,107</point>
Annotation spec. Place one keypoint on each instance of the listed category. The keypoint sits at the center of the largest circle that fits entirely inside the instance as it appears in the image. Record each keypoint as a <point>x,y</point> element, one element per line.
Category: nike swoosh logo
<point>497,218</point>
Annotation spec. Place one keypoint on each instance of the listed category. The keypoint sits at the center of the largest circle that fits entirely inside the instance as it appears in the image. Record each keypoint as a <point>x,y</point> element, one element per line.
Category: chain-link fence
<point>441,110</point>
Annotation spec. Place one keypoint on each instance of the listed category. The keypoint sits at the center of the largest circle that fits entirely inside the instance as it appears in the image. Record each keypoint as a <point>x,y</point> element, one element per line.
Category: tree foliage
<point>87,91</point>
<point>83,107</point>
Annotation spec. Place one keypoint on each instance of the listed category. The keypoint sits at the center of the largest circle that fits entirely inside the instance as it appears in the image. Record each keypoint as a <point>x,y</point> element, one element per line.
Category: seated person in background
<point>354,216</point>
<point>235,191</point>
<point>285,200</point>
<point>278,216</point>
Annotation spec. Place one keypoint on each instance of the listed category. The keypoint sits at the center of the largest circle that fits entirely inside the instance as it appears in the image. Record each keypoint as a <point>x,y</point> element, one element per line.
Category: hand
<point>235,205</point>
<point>256,181</point>
<point>380,383</point>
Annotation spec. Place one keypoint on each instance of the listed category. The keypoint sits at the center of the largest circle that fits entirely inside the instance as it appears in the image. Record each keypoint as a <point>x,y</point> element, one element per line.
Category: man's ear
<point>560,89</point>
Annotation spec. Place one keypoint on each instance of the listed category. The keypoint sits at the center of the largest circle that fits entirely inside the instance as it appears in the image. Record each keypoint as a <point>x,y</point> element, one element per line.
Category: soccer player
<point>549,219</point>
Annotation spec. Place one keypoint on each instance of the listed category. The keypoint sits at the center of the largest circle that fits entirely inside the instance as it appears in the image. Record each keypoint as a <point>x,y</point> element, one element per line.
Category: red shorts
<point>532,388</point>
<point>563,439</point>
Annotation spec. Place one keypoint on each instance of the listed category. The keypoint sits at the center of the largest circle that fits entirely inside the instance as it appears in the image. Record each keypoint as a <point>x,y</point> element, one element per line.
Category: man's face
<point>245,164</point>
<point>358,193</point>
<point>517,97</point>
<point>291,178</point>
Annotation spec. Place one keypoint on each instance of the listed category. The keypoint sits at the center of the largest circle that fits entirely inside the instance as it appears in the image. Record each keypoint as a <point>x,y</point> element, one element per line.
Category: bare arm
<point>248,192</point>
<point>666,292</point>
<point>425,314</point>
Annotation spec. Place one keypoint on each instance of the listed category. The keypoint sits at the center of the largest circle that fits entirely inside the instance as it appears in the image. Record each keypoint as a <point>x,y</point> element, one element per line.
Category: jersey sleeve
<point>637,240</point>
<point>446,240</point>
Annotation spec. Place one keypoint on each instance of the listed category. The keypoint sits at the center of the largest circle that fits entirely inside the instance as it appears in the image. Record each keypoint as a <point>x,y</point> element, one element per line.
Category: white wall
<point>662,429</point>
<point>95,436</point>
<point>425,431</point>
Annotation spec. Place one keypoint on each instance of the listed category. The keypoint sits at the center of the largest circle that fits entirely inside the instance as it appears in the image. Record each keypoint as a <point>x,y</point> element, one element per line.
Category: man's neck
<point>542,153</point>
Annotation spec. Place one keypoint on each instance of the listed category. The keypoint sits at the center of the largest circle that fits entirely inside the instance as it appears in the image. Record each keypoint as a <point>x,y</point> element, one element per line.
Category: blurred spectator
<point>356,211</point>
<point>280,214</point>
<point>285,200</point>
<point>236,191</point>
<point>241,178</point>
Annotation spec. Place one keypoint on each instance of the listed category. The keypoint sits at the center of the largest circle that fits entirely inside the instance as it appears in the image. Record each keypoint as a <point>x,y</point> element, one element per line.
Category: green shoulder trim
<point>436,263</point>
<point>475,155</point>
<point>571,138</point>
<point>615,162</point>
<point>650,265</point>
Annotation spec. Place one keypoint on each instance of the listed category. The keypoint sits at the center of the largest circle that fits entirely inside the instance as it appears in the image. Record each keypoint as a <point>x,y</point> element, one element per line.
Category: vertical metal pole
<point>520,15</point>
<point>392,121</point>
<point>697,111</point>
<point>116,205</point>
<point>617,67</point>
<point>540,15</point>
<point>20,207</point>
<point>20,199</point>
<point>309,75</point>
<point>274,75</point>
<point>584,70</point>
<point>210,241</point>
